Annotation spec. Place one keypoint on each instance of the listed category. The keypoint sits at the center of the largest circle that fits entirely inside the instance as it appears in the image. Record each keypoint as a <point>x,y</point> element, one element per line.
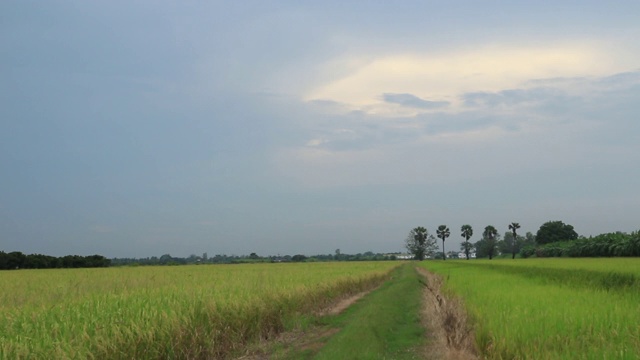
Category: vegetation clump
<point>554,231</point>
<point>18,260</point>
<point>420,243</point>
<point>603,245</point>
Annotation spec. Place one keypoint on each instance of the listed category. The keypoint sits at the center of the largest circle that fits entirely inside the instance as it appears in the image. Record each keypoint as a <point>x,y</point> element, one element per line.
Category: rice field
<point>166,312</point>
<point>549,308</point>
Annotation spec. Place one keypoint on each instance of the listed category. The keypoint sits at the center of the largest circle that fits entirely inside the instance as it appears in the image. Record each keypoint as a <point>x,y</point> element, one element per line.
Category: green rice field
<point>166,312</point>
<point>549,308</point>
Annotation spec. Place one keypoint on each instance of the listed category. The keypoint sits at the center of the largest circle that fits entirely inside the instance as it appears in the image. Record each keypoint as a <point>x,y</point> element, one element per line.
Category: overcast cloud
<point>139,129</point>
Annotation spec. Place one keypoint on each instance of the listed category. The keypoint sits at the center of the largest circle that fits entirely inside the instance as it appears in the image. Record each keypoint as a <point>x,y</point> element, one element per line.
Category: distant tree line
<point>167,259</point>
<point>553,238</point>
<point>17,260</point>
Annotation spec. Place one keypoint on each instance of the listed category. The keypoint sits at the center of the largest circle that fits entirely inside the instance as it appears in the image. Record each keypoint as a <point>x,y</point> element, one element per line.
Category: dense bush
<point>603,245</point>
<point>18,260</point>
<point>528,251</point>
<point>556,249</point>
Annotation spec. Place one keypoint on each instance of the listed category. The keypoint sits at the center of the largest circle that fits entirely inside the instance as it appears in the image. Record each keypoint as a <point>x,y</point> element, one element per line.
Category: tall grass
<point>550,308</point>
<point>165,312</point>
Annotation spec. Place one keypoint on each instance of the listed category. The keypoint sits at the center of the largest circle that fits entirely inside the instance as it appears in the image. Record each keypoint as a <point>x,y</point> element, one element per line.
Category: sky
<point>135,129</point>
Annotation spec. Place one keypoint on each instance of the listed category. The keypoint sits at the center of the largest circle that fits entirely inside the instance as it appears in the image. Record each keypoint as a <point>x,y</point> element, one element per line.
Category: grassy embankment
<point>385,324</point>
<point>166,312</point>
<point>550,308</point>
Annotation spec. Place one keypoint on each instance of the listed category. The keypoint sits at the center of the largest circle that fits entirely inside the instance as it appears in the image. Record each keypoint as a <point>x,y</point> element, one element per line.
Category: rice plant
<point>550,308</point>
<point>165,312</point>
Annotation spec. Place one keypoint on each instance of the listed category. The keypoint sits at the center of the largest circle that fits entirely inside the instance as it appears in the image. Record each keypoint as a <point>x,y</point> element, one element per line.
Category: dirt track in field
<point>449,335</point>
<point>313,339</point>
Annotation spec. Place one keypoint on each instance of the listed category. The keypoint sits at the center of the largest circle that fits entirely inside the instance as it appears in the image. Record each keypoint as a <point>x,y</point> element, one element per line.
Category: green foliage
<point>443,233</point>
<point>553,231</point>
<point>298,258</point>
<point>555,249</point>
<point>508,244</point>
<point>466,232</point>
<point>514,248</point>
<point>603,245</point>
<point>487,246</point>
<point>420,243</point>
<point>528,251</point>
<point>18,260</point>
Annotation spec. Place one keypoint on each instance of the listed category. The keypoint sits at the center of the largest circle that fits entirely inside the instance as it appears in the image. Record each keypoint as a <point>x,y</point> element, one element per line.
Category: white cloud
<point>549,125</point>
<point>442,77</point>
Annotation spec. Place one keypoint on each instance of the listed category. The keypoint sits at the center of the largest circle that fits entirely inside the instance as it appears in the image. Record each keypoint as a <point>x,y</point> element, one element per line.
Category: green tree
<point>443,233</point>
<point>298,258</point>
<point>514,227</point>
<point>529,239</point>
<point>420,243</point>
<point>467,233</point>
<point>490,233</point>
<point>507,243</point>
<point>553,231</point>
<point>466,247</point>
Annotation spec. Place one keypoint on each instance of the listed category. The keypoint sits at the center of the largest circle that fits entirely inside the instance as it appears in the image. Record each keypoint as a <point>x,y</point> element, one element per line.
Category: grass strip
<point>385,324</point>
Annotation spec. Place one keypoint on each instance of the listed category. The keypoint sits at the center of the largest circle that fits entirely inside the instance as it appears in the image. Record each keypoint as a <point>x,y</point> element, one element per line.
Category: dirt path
<point>450,336</point>
<point>310,339</point>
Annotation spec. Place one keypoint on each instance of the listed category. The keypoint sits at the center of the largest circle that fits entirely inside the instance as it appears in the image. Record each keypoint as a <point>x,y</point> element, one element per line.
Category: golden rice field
<point>166,312</point>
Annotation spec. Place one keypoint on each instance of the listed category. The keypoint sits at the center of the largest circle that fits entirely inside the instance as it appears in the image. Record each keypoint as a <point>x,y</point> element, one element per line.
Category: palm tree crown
<point>490,232</point>
<point>443,233</point>
<point>467,231</point>
<point>514,227</point>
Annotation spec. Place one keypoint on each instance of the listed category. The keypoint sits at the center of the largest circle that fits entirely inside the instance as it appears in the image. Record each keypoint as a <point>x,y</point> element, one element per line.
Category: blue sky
<point>135,129</point>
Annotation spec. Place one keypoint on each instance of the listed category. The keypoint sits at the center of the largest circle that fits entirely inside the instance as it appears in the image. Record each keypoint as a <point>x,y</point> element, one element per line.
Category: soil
<point>450,335</point>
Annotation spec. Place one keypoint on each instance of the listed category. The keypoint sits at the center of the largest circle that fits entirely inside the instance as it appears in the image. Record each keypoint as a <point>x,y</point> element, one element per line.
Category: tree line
<point>17,260</point>
<point>422,244</point>
<point>167,259</point>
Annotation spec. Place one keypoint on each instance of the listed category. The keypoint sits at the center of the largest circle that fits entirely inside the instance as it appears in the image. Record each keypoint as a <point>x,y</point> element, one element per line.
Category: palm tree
<point>513,227</point>
<point>490,233</point>
<point>443,233</point>
<point>467,233</point>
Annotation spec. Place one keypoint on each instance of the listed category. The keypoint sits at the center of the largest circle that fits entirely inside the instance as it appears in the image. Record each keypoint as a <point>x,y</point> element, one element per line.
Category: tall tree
<point>467,233</point>
<point>553,231</point>
<point>420,243</point>
<point>489,234</point>
<point>514,226</point>
<point>443,233</point>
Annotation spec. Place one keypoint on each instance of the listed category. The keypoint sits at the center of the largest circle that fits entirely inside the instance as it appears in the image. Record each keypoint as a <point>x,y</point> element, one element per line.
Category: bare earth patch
<point>446,322</point>
<point>343,304</point>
